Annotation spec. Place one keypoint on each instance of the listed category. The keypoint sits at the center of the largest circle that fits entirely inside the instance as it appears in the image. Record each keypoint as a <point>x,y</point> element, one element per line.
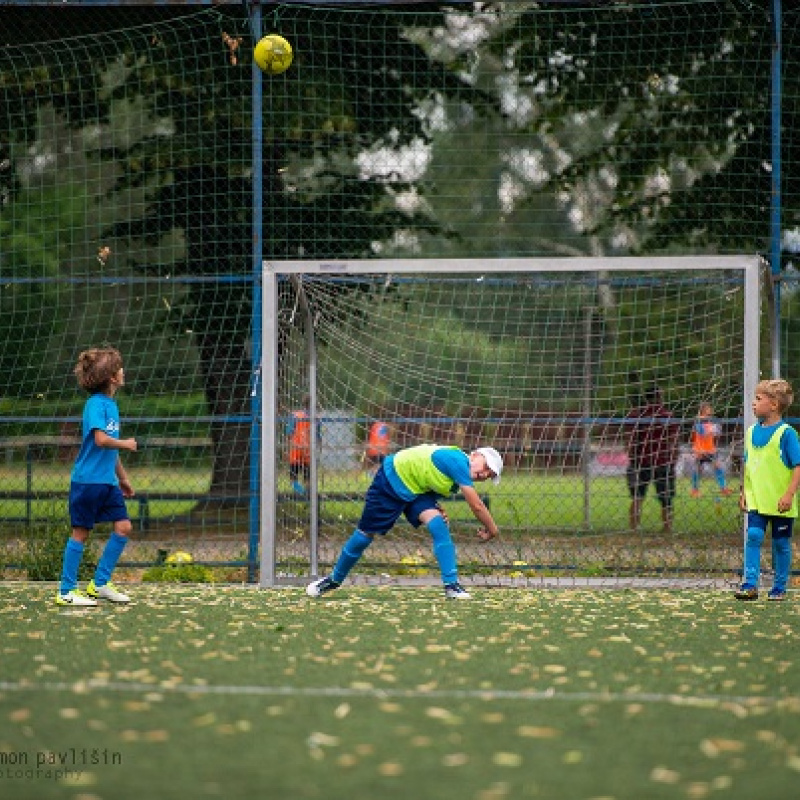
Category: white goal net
<point>544,359</point>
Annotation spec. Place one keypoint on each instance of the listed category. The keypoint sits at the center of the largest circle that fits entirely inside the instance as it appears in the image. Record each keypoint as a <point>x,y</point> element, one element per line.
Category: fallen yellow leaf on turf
<point>421,741</point>
<point>507,759</point>
<point>697,790</point>
<point>664,775</point>
<point>713,747</point>
<point>538,732</point>
<point>318,739</point>
<point>438,713</point>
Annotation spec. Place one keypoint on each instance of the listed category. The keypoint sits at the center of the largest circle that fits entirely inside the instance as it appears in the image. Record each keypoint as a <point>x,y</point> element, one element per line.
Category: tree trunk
<point>226,371</point>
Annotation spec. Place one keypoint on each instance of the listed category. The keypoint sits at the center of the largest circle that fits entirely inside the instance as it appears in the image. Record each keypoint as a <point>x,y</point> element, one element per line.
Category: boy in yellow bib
<point>410,482</point>
<point>769,489</point>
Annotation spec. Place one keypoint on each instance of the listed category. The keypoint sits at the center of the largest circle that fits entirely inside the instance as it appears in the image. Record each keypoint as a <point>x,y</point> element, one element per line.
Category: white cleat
<point>75,599</point>
<point>322,586</point>
<point>108,592</point>
<point>455,591</point>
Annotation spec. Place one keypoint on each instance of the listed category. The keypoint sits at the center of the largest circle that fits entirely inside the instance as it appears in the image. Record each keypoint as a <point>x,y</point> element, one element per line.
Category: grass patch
<point>233,692</point>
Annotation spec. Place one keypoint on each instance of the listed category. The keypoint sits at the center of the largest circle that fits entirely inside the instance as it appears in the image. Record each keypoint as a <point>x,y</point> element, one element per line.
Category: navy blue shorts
<point>382,506</point>
<point>781,526</point>
<point>90,503</point>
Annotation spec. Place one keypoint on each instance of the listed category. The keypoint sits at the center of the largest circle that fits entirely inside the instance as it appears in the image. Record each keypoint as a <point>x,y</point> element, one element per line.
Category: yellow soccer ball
<point>179,557</point>
<point>273,54</point>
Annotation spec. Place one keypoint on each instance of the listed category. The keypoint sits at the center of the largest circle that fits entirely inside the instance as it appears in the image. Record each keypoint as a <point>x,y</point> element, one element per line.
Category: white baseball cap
<point>493,460</point>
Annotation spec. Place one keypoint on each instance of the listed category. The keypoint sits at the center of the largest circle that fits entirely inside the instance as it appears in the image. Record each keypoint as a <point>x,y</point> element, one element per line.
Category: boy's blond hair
<point>778,390</point>
<point>96,367</point>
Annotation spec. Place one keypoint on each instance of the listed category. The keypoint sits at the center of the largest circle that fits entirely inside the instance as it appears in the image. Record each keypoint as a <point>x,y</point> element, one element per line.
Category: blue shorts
<point>90,503</point>
<point>382,506</point>
<point>781,526</point>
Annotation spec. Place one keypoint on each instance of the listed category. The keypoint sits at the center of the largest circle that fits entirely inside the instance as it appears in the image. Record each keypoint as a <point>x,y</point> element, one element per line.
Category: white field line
<point>731,702</point>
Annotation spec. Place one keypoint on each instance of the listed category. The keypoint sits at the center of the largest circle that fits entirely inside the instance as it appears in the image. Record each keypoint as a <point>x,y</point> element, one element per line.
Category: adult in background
<point>653,435</point>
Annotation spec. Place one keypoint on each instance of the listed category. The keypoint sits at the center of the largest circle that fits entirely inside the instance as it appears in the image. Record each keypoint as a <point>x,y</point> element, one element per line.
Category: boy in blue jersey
<point>769,489</point>
<point>410,482</point>
<point>99,482</point>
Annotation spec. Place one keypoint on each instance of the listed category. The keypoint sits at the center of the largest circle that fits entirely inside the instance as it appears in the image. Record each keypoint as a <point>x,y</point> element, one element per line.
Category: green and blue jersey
<point>771,452</point>
<point>427,468</point>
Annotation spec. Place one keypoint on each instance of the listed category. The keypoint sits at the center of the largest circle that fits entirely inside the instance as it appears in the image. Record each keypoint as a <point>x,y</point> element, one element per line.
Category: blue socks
<point>781,562</point>
<point>73,553</point>
<point>719,474</point>
<point>781,559</point>
<point>444,549</point>
<point>108,561</point>
<point>353,549</point>
<point>752,556</point>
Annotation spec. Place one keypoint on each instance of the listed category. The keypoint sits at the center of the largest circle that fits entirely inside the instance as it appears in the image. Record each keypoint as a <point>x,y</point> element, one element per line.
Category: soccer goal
<point>542,359</point>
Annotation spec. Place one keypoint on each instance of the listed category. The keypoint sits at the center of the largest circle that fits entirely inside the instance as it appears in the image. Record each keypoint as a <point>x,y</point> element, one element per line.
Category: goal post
<point>541,358</point>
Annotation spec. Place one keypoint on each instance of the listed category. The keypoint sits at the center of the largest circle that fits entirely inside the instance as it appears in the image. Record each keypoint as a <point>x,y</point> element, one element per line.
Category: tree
<point>651,122</point>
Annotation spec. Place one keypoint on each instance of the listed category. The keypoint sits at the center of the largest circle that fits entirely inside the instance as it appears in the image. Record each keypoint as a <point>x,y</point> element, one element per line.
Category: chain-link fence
<point>139,194</point>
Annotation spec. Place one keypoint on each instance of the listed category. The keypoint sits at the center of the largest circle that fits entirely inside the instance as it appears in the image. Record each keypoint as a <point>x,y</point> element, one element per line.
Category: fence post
<point>775,211</point>
<point>29,484</point>
<point>256,474</point>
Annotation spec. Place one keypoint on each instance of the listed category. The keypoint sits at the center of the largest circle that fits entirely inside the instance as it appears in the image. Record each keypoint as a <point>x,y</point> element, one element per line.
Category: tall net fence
<point>126,219</point>
<point>518,130</point>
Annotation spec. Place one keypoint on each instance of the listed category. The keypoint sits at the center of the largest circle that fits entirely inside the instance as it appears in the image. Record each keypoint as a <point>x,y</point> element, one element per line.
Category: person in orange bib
<point>379,444</point>
<point>705,433</point>
<point>298,431</point>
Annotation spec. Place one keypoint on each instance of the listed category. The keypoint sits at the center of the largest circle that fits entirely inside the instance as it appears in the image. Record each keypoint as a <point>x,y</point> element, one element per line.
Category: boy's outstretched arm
<point>478,508</point>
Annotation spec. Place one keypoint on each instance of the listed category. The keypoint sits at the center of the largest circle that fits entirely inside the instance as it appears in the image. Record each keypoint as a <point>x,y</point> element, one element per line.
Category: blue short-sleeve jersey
<point>98,464</point>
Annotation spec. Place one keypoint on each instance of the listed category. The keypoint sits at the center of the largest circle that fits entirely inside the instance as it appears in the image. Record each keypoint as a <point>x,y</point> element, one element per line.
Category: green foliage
<point>43,554</point>
<point>178,573</point>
